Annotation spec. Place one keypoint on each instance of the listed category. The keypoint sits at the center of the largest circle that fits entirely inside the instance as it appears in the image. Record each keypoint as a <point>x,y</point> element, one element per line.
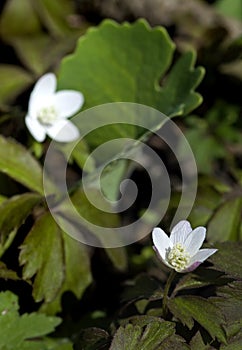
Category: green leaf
<point>7,274</point>
<point>39,52</point>
<point>77,273</point>
<point>207,200</point>
<point>198,344</point>
<point>190,281</point>
<point>228,258</point>
<point>234,343</point>
<point>177,97</point>
<point>111,179</point>
<point>14,211</point>
<point>136,337</point>
<point>18,163</point>
<point>225,223</point>
<point>115,63</point>
<point>206,152</point>
<point>13,19</point>
<point>190,308</point>
<point>54,15</point>
<point>14,80</point>
<point>229,301</point>
<point>19,332</point>
<point>42,254</point>
<point>174,342</point>
<point>230,8</point>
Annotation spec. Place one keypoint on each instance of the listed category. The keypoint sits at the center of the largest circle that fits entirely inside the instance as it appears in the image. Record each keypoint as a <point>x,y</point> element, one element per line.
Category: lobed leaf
<point>19,332</point>
<point>42,254</point>
<point>138,337</point>
<point>125,63</point>
<point>190,308</point>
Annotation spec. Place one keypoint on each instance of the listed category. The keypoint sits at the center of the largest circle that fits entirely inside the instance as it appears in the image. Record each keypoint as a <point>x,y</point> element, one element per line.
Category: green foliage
<point>14,80</point>
<point>18,163</point>
<point>132,62</point>
<point>219,315</point>
<point>42,254</point>
<point>38,42</point>
<point>25,332</point>
<point>197,343</point>
<point>52,256</point>
<point>225,223</point>
<point>227,258</point>
<point>11,218</point>
<point>115,63</point>
<point>218,131</point>
<point>77,273</point>
<point>190,308</point>
<point>90,213</point>
<point>228,8</point>
<point>7,274</point>
<point>142,335</point>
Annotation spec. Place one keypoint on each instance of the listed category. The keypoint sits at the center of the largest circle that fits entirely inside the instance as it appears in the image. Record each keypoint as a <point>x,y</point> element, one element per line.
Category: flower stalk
<point>166,292</point>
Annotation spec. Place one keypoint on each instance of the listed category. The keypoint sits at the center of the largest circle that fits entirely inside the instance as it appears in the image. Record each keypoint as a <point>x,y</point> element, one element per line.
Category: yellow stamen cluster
<point>178,257</point>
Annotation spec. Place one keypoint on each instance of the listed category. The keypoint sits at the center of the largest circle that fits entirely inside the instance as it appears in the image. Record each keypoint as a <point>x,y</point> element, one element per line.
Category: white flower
<point>48,111</point>
<point>181,251</point>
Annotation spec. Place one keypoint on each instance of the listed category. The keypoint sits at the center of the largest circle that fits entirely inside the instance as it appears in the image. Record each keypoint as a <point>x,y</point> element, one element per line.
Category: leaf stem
<point>166,291</point>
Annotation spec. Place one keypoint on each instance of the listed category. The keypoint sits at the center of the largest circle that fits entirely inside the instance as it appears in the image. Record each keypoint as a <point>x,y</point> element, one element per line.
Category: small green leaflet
<point>25,331</point>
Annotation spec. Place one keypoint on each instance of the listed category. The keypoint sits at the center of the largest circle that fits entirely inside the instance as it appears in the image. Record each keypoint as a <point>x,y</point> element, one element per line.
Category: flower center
<point>47,115</point>
<point>178,257</point>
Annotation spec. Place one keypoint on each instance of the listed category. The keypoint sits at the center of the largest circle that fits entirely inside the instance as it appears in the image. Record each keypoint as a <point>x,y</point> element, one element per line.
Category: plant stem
<point>166,291</point>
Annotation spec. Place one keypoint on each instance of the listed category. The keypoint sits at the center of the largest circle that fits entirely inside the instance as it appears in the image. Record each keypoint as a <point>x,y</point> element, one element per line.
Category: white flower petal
<point>195,240</point>
<point>46,85</point>
<point>35,128</point>
<point>202,255</point>
<point>180,232</point>
<point>161,242</point>
<point>44,88</point>
<point>68,102</point>
<point>63,131</point>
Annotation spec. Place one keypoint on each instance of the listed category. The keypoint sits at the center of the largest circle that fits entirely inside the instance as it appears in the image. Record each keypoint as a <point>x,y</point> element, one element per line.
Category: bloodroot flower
<point>181,250</point>
<point>48,111</point>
